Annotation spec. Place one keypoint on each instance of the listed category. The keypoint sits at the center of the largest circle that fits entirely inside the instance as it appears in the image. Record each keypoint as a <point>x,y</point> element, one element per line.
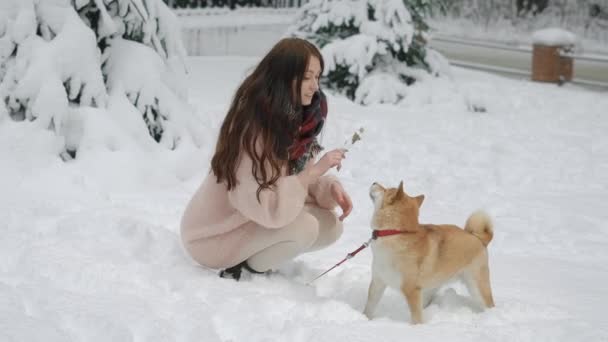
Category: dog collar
<point>385,232</point>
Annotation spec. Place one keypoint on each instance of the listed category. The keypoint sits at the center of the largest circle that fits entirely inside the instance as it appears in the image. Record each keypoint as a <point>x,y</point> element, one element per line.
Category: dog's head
<point>393,208</point>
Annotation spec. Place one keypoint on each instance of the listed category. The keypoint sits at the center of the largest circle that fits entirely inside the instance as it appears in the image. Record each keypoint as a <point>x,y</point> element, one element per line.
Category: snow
<point>42,67</point>
<point>554,36</point>
<point>89,249</point>
<point>141,74</point>
<point>337,13</point>
<point>356,52</point>
<point>380,87</point>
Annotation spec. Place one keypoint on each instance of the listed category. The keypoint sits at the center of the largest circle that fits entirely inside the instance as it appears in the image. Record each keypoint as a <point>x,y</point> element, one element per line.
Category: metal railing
<point>592,70</point>
<point>469,42</point>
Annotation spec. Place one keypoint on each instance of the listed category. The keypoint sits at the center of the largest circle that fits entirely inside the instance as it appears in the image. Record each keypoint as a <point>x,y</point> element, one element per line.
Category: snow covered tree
<point>373,49</point>
<point>586,18</point>
<point>484,12</point>
<point>61,59</point>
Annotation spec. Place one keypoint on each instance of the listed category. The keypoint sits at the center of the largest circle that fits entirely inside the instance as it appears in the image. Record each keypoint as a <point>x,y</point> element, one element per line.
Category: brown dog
<point>417,259</point>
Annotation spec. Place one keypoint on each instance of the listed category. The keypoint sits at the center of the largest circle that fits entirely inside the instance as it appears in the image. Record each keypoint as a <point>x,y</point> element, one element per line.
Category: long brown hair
<point>265,112</point>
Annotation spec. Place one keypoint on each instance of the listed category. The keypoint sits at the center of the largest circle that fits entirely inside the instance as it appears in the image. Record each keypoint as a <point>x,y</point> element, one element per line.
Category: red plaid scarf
<point>306,145</point>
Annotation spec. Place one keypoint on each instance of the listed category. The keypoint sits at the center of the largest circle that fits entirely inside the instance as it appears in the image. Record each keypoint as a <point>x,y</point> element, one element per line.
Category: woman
<point>265,199</point>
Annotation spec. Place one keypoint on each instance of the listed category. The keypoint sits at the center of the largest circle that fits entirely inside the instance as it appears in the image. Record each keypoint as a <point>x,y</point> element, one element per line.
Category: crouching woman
<point>265,199</point>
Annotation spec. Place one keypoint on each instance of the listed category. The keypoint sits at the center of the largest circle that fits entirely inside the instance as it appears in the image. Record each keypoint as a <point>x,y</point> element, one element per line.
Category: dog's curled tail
<point>480,225</point>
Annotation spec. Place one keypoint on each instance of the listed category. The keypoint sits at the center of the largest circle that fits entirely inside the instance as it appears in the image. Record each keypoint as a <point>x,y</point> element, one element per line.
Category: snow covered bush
<point>59,58</point>
<point>373,49</point>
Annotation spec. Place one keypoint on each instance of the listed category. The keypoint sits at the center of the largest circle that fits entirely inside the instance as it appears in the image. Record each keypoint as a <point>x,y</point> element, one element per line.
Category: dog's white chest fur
<point>383,266</point>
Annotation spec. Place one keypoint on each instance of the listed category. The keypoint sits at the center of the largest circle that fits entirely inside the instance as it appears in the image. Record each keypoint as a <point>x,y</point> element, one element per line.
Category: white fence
<point>253,40</point>
<point>242,4</point>
<point>243,32</point>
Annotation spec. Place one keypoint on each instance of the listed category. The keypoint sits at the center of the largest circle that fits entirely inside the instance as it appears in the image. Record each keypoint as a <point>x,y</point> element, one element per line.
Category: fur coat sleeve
<point>320,191</point>
<point>277,206</point>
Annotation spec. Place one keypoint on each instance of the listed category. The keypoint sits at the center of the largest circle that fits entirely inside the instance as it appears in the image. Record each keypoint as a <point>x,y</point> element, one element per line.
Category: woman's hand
<point>330,159</point>
<point>342,198</point>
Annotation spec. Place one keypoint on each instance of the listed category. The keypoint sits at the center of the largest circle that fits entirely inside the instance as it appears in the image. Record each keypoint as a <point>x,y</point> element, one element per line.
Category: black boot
<point>235,272</point>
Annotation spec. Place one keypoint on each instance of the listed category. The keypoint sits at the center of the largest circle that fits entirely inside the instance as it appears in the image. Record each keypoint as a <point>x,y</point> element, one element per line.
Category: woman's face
<point>310,82</point>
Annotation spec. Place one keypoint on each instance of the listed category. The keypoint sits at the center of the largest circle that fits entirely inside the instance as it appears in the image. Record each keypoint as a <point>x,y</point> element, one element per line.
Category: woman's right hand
<point>330,159</point>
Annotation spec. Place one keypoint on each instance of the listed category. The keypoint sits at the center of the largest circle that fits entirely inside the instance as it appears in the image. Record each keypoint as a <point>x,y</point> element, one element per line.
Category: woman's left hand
<point>342,198</point>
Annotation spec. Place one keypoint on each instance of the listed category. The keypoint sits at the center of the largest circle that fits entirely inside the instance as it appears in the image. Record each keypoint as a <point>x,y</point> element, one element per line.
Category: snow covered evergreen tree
<point>373,49</point>
<point>63,60</point>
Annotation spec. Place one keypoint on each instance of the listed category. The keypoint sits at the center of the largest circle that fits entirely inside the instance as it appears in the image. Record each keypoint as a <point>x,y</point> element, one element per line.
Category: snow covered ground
<point>89,250</point>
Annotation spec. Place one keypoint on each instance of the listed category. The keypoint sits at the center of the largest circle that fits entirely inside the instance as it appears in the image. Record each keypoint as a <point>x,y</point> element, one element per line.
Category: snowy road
<point>587,69</point>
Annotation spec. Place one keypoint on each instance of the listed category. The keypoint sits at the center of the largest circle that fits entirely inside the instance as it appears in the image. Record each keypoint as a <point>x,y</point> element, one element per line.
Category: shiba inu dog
<point>417,259</point>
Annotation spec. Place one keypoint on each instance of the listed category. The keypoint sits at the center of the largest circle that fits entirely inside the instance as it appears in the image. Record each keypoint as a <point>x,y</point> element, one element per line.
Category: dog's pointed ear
<point>419,200</point>
<point>400,188</point>
<point>400,194</point>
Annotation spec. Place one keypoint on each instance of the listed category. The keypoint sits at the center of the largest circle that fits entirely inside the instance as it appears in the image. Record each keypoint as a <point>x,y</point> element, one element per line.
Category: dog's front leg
<point>376,289</point>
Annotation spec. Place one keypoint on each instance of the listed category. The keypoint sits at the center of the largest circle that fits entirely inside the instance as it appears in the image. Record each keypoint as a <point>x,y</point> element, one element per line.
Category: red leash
<point>375,234</point>
<point>348,256</point>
